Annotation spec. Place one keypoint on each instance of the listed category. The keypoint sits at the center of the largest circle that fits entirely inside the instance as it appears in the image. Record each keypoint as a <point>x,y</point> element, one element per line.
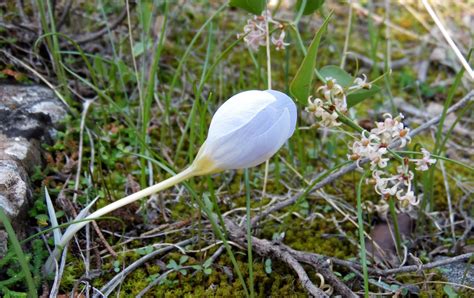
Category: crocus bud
<point>246,131</point>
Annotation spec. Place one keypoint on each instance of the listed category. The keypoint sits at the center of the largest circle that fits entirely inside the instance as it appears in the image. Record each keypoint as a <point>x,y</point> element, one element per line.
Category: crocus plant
<point>245,131</point>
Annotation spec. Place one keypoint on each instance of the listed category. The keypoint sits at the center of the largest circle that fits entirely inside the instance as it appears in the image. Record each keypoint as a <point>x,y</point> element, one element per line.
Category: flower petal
<point>237,111</point>
<point>284,100</point>
<point>252,143</point>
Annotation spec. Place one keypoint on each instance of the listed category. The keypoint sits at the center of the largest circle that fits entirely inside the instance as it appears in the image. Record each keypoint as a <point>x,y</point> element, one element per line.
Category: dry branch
<point>285,254</point>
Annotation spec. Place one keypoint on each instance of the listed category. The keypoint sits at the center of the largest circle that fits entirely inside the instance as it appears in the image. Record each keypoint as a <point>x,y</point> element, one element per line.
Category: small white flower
<point>331,89</point>
<point>392,129</point>
<point>424,163</point>
<point>329,119</point>
<point>256,32</point>
<point>360,83</point>
<point>376,159</point>
<point>279,42</point>
<point>409,196</point>
<point>247,130</point>
<point>315,107</point>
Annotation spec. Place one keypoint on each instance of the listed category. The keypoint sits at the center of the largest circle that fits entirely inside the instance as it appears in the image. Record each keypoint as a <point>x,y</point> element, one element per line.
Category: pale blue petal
<point>284,101</point>
<point>237,112</point>
<point>253,143</point>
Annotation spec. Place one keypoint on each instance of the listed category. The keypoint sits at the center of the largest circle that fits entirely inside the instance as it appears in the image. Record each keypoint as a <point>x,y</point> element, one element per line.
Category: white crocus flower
<point>245,131</point>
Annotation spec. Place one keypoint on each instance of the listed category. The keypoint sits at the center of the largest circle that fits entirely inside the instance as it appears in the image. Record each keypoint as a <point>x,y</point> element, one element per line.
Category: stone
<point>3,243</point>
<point>14,190</point>
<point>458,273</point>
<point>29,116</point>
<point>31,112</point>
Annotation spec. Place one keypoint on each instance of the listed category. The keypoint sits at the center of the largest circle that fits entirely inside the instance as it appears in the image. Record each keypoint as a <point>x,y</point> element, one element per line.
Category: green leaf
<point>301,85</point>
<point>361,95</point>
<point>252,6</point>
<point>310,7</point>
<point>340,75</point>
<point>349,277</point>
<point>21,257</point>
<point>450,291</point>
<point>183,260</point>
<point>207,202</point>
<point>268,266</point>
<point>207,271</point>
<point>207,263</point>
<point>139,48</point>
<point>172,265</point>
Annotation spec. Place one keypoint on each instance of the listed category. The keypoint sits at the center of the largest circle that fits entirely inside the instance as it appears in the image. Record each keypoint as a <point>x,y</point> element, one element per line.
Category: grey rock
<point>14,190</point>
<point>458,273</point>
<point>30,112</point>
<point>29,116</point>
<point>25,152</point>
<point>3,242</point>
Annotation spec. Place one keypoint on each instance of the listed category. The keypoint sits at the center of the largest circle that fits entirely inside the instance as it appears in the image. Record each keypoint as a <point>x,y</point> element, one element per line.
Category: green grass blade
<point>360,222</point>
<point>19,253</point>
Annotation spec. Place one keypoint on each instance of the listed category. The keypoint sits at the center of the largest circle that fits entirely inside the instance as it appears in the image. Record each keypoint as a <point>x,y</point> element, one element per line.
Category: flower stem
<point>396,231</point>
<point>249,233</point>
<point>360,221</point>
<point>349,122</point>
<point>74,228</point>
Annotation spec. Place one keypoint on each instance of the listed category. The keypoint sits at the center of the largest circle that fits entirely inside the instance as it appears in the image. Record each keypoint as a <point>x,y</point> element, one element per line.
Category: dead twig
<point>95,35</point>
<point>283,253</point>
<point>427,266</point>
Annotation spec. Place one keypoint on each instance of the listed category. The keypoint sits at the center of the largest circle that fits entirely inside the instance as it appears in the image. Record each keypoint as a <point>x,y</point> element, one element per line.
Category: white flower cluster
<point>256,32</point>
<point>399,185</point>
<point>373,145</point>
<point>333,98</point>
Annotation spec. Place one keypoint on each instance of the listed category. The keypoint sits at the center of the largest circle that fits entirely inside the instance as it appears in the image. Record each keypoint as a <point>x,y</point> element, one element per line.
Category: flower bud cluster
<point>256,32</point>
<point>373,145</point>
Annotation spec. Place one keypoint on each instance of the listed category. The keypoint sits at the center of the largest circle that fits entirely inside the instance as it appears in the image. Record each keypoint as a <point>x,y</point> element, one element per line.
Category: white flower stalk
<point>245,131</point>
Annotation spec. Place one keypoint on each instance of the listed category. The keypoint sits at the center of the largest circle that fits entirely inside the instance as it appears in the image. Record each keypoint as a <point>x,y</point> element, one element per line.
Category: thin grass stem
<point>360,221</point>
